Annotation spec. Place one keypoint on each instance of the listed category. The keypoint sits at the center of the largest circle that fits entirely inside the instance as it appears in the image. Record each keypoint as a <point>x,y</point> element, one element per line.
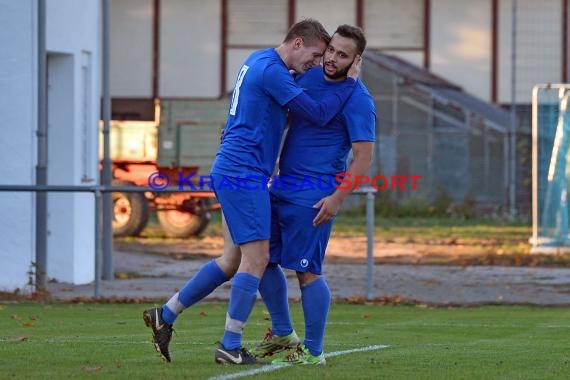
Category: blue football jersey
<point>312,156</point>
<point>256,117</point>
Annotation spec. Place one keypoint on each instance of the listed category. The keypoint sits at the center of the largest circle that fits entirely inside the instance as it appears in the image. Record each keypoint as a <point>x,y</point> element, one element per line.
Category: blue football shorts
<point>295,243</point>
<point>247,209</point>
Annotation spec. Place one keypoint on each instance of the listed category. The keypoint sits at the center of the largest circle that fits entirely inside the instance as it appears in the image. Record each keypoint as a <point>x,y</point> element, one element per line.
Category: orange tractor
<point>182,140</point>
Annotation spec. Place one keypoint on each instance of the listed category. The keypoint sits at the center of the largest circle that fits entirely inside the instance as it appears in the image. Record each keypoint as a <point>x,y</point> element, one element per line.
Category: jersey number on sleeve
<point>235,96</point>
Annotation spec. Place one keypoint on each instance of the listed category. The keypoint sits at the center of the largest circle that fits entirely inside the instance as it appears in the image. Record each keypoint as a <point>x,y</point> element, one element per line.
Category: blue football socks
<point>242,299</point>
<point>316,299</point>
<point>204,282</point>
<point>273,290</point>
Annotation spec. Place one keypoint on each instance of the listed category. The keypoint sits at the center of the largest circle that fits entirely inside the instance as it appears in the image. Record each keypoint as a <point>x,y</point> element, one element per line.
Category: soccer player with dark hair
<point>304,203</point>
<point>263,94</point>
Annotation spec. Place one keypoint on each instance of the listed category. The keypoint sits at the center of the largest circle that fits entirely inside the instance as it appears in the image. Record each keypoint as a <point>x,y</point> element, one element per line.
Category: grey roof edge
<point>496,117</point>
<point>407,70</point>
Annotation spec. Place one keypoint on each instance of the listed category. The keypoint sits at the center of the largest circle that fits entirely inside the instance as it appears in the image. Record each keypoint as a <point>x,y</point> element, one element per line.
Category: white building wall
<point>18,110</point>
<point>344,12</point>
<point>72,39</point>
<point>190,39</point>
<point>236,58</point>
<point>391,24</point>
<point>538,49</point>
<point>131,48</point>
<point>73,114</point>
<point>460,42</point>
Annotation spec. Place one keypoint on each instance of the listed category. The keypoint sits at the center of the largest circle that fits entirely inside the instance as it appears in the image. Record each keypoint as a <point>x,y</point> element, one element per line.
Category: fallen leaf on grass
<point>203,314</point>
<point>28,324</point>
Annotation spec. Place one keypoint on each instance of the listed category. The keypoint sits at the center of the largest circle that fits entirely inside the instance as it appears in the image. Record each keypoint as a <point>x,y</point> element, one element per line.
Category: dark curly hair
<point>355,33</point>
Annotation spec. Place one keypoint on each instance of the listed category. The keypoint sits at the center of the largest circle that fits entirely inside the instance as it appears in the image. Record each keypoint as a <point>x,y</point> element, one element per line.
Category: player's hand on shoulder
<point>355,68</point>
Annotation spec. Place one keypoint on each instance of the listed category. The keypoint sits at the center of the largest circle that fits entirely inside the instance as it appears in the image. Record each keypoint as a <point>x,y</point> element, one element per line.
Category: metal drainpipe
<point>41,167</point>
<point>107,229</point>
<point>513,116</point>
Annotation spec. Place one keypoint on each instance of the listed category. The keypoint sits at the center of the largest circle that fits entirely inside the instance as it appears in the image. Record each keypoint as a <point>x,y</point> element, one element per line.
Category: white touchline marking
<point>251,372</point>
<point>275,367</point>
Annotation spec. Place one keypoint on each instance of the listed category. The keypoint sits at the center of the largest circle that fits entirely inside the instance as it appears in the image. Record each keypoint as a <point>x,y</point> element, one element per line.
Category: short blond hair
<point>310,30</point>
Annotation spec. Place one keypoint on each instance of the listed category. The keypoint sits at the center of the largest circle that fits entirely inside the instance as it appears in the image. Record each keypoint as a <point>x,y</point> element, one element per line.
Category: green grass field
<point>111,341</point>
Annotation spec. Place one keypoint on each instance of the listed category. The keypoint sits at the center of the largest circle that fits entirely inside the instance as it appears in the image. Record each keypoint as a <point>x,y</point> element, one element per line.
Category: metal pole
<point>395,122</point>
<point>430,146</point>
<point>370,246</point>
<point>97,244</point>
<point>513,127</point>
<point>535,92</point>
<point>41,167</point>
<point>107,238</point>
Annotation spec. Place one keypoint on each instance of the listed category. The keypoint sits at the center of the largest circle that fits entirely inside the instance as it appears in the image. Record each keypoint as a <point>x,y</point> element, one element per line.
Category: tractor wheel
<point>130,211</point>
<point>183,223</point>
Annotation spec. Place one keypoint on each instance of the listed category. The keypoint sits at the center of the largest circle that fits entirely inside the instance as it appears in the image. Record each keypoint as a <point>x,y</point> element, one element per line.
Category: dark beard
<point>339,74</point>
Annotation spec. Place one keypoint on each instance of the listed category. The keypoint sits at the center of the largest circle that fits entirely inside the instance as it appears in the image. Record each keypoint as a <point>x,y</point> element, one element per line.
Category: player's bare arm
<point>329,206</point>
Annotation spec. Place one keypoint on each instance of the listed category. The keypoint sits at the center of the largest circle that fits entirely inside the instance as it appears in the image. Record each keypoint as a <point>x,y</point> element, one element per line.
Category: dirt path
<point>144,276</point>
<point>350,249</point>
<point>339,248</point>
<point>444,272</point>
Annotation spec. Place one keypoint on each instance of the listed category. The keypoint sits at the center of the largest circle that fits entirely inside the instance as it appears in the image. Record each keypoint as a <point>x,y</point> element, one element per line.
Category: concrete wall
<point>73,109</point>
<point>72,39</point>
<point>18,110</point>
